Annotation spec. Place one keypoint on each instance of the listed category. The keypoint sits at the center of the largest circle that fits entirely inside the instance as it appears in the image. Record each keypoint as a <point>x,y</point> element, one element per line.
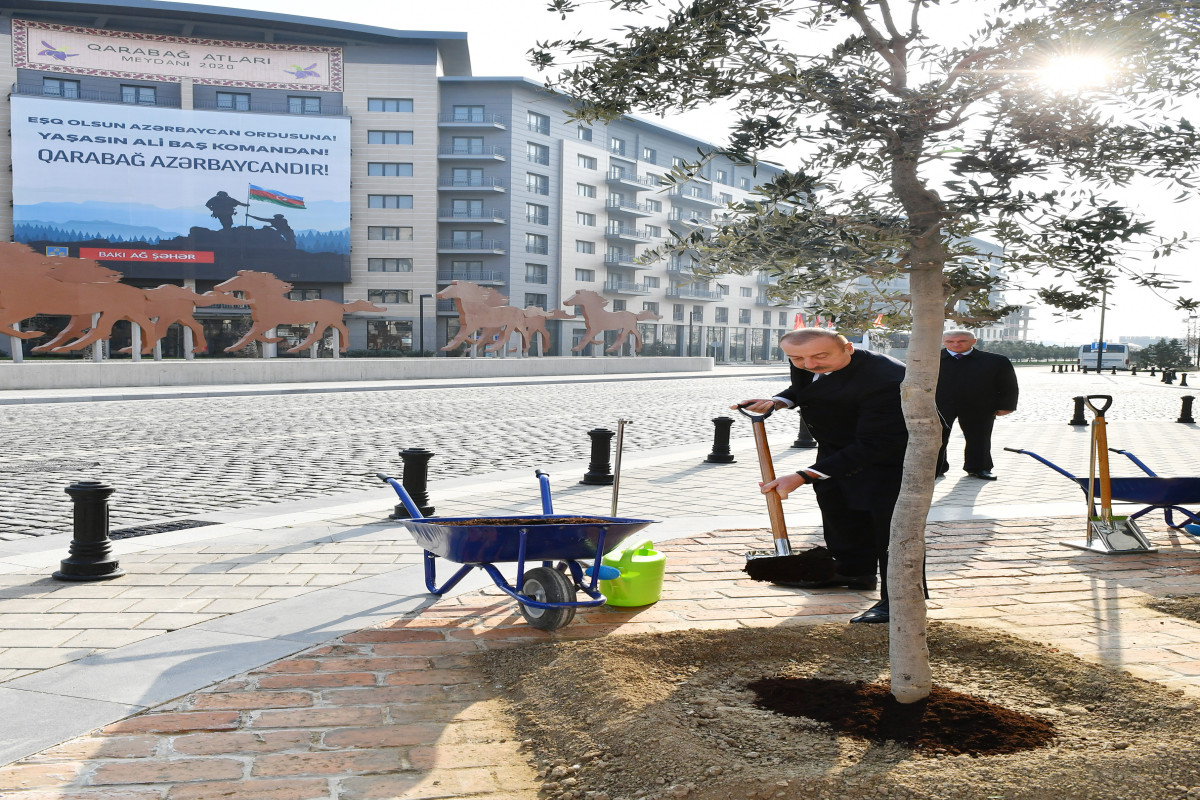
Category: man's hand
<point>1002,413</point>
<point>784,485</point>
<point>755,406</point>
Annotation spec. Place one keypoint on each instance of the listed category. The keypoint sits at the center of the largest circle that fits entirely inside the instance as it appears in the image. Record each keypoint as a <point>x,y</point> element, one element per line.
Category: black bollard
<point>1152,373</point>
<point>1114,371</point>
<point>600,468</point>
<point>90,556</point>
<point>415,480</point>
<point>1054,368</point>
<point>1084,370</point>
<point>1185,413</point>
<point>1183,379</point>
<point>721,453</point>
<point>1078,419</point>
<point>1168,376</point>
<point>1133,370</point>
<point>804,438</point>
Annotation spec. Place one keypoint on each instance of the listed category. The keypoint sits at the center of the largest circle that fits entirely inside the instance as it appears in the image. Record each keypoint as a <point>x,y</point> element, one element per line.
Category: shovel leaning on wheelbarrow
<point>781,566</point>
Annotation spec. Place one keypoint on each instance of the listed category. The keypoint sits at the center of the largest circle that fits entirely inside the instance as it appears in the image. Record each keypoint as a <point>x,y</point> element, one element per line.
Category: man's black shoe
<point>848,581</point>
<point>876,613</point>
<point>984,475</point>
<point>939,475</point>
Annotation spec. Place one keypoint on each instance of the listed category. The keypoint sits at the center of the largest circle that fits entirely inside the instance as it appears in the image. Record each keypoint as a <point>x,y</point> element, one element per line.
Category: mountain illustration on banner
<point>278,198</point>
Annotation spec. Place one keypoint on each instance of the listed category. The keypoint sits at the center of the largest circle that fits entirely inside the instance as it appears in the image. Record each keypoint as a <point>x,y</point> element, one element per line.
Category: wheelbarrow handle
<point>403,494</point>
<point>1107,398</point>
<point>741,407</point>
<point>1014,450</point>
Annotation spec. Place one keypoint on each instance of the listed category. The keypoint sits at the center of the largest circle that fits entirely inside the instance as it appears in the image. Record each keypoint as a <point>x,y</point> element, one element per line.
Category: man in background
<point>974,387</point>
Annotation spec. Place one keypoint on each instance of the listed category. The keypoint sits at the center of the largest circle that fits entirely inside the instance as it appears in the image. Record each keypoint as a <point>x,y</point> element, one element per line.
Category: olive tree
<point>922,127</point>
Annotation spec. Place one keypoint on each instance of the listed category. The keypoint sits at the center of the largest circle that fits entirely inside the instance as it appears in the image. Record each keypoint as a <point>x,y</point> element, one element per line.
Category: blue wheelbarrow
<point>564,544</point>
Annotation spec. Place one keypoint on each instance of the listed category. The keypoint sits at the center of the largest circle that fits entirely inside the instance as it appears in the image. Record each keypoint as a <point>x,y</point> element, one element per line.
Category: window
<point>678,161</point>
<point>466,145</point>
<point>389,137</point>
<point>304,105</point>
<point>722,176</point>
<point>304,294</point>
<point>677,313</point>
<point>722,315</point>
<point>585,275</point>
<point>458,268</point>
<point>537,153</point>
<point>389,169</point>
<point>538,184</point>
<point>653,231</point>
<point>726,198</point>
<point>615,254</point>
<point>61,87</point>
<point>745,183</point>
<point>651,307</point>
<point>746,291</point>
<point>388,104</point>
<point>697,314</point>
<point>537,243</point>
<point>651,283</point>
<point>389,265</point>
<point>139,95</point>
<point>538,123</point>
<point>537,214</point>
<point>654,205</point>
<point>766,318</point>
<point>743,316</point>
<point>536,273</point>
<point>466,237</point>
<point>389,234</point>
<point>584,133</point>
<point>783,319</point>
<point>587,162</point>
<point>585,247</point>
<point>536,300</point>
<point>389,296</point>
<point>466,114</point>
<point>585,190</point>
<point>389,201</point>
<point>233,101</point>
<point>723,289</point>
<point>467,176</point>
<point>583,218</point>
<point>649,154</point>
<point>618,305</point>
<point>466,209</point>
<point>616,145</point>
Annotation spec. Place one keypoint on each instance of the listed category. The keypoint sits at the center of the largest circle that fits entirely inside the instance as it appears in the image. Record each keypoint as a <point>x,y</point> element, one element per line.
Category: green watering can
<point>642,569</point>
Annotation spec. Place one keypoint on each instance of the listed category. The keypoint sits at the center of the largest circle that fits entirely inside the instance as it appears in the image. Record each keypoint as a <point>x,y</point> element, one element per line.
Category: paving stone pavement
<point>351,713</point>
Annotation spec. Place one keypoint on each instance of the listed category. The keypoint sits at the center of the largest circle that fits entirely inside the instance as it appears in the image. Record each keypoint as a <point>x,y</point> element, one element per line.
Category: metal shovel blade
<point>1113,537</point>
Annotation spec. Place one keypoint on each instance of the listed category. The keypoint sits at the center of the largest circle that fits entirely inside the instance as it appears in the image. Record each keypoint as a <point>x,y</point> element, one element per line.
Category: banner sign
<point>150,57</point>
<point>257,191</point>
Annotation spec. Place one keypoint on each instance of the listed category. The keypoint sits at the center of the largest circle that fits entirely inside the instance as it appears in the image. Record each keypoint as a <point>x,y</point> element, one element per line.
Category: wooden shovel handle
<point>774,501</point>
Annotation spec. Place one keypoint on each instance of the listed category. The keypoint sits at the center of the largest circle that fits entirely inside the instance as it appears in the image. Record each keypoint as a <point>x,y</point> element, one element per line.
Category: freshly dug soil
<point>815,564</point>
<point>697,715</point>
<point>1177,605</point>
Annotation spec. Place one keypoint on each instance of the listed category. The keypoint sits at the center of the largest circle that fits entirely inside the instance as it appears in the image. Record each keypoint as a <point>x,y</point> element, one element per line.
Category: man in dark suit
<point>974,387</point>
<point>851,403</point>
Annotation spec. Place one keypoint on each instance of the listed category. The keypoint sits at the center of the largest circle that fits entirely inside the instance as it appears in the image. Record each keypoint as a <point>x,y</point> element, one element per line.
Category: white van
<point>1120,356</point>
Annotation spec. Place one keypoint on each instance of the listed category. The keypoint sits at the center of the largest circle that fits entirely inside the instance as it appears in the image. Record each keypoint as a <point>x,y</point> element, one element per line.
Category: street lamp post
<point>421,311</point>
<point>1100,343</point>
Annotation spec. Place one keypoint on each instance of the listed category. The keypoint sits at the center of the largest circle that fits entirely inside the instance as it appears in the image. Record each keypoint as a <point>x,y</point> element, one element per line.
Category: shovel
<point>780,566</point>
<point>1106,533</point>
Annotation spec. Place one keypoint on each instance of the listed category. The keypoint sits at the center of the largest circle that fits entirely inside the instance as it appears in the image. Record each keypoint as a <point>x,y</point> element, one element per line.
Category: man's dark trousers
<point>971,389</point>
<point>977,430</point>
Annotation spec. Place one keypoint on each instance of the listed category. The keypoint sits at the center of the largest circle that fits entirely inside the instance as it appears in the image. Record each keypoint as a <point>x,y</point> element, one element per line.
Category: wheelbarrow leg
<point>431,576</point>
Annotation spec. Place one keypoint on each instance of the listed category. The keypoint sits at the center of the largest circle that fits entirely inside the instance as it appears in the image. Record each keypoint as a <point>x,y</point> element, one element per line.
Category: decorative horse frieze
<point>482,310</point>
<point>598,320</point>
<point>270,306</point>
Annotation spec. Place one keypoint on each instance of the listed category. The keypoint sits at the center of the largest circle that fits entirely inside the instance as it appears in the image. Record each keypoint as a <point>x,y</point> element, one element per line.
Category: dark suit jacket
<point>854,414</point>
<point>979,382</point>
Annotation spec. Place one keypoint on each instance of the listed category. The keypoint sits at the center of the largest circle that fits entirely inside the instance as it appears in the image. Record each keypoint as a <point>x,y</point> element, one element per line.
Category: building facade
<point>180,144</point>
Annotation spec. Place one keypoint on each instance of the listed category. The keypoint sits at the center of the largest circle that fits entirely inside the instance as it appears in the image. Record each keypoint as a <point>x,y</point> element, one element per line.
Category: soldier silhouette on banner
<point>280,224</point>
<point>223,207</point>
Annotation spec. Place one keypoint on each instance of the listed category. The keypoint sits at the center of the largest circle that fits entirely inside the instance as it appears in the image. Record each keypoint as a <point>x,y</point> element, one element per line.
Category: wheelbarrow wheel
<point>547,585</point>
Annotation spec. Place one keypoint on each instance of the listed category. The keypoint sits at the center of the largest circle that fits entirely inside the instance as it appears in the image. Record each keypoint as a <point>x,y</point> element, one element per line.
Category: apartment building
<point>181,144</point>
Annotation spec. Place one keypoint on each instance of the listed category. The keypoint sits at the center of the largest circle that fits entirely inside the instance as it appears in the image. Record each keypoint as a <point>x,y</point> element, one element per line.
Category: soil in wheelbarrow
<point>527,521</point>
<point>803,713</point>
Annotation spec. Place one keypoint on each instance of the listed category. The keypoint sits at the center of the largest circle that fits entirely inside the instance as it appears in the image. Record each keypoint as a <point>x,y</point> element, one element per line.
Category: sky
<point>500,33</point>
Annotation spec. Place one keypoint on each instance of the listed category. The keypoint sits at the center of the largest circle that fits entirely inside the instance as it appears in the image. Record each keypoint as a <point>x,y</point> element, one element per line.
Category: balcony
<point>628,209</point>
<point>491,246</point>
<point>678,266</point>
<point>471,184</point>
<point>259,107</point>
<point>473,275</point>
<point>621,233</point>
<point>91,95</point>
<point>446,307</point>
<point>474,152</point>
<point>484,215</point>
<point>691,293</point>
<point>694,195</point>
<point>619,259</point>
<point>624,287</point>
<point>620,179</point>
<point>686,220</point>
<point>765,279</point>
<point>472,120</point>
<point>765,300</point>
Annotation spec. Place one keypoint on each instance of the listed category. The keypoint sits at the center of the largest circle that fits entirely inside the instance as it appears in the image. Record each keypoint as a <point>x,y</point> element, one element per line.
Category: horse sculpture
<point>480,308</point>
<point>270,307</point>
<point>32,284</point>
<point>598,320</point>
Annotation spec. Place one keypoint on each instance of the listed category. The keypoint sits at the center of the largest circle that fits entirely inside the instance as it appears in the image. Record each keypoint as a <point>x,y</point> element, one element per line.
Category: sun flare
<point>1075,73</point>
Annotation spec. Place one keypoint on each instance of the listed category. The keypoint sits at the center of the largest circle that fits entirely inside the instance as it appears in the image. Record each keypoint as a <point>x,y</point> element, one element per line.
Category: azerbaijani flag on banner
<point>278,198</point>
